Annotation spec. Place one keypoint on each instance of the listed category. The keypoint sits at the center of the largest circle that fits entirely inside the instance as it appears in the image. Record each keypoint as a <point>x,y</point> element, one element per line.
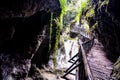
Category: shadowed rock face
<point>19,41</point>
<point>108,25</point>
<point>22,22</point>
<point>107,29</point>
<point>20,8</point>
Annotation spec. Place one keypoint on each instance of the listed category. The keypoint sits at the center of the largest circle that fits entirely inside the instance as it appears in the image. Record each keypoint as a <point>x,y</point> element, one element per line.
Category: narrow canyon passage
<point>41,40</point>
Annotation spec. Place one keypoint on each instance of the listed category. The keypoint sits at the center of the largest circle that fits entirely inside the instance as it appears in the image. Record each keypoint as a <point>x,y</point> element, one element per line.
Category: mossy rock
<point>116,70</point>
<point>90,13</point>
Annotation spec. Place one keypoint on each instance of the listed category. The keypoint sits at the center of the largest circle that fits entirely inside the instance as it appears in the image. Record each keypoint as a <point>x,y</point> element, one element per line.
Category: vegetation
<point>83,4</point>
<point>90,13</point>
<point>56,44</point>
<point>116,72</point>
<point>57,36</point>
<point>63,4</point>
<point>94,26</point>
<point>69,9</point>
<point>70,12</point>
<point>51,20</point>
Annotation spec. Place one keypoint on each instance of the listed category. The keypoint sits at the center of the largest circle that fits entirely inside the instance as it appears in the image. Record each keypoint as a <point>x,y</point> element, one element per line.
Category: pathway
<point>100,66</point>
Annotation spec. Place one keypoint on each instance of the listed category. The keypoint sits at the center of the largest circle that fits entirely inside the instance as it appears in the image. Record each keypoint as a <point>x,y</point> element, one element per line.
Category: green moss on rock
<point>116,70</point>
<point>90,13</point>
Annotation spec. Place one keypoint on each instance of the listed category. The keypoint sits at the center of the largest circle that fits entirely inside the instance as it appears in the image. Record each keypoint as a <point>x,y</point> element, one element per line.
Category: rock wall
<point>23,8</point>
<point>103,18</point>
<point>24,36</point>
<point>20,41</point>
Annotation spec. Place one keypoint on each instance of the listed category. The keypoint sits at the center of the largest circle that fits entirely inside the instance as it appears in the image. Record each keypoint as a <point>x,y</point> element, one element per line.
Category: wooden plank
<point>86,65</point>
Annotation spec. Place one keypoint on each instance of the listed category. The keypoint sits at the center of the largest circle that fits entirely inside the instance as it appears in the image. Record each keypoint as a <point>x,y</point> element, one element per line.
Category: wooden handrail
<point>72,59</point>
<point>72,65</point>
<point>80,62</point>
<point>64,76</point>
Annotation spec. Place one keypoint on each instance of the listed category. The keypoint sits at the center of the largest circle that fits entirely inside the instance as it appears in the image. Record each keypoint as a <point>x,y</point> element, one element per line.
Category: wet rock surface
<point>24,8</point>
<point>20,39</point>
<point>24,22</point>
<point>12,67</point>
<point>102,17</point>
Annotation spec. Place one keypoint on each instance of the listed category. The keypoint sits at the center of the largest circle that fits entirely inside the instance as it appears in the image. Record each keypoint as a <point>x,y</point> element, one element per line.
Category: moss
<point>51,20</point>
<point>71,8</point>
<point>74,7</point>
<point>61,21</point>
<point>77,18</point>
<point>57,71</point>
<point>89,29</point>
<point>57,37</point>
<point>55,61</point>
<point>116,70</point>
<point>63,4</point>
<point>118,61</point>
<point>90,13</point>
<point>55,53</point>
<point>57,34</point>
<point>83,4</point>
<point>94,26</point>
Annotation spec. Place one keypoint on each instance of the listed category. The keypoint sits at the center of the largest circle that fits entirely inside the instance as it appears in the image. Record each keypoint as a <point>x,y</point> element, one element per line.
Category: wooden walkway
<point>101,67</point>
<point>92,62</point>
<point>97,63</point>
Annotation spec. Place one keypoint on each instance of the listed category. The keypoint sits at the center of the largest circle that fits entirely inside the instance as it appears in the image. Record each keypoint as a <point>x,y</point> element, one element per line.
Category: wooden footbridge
<point>90,63</point>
